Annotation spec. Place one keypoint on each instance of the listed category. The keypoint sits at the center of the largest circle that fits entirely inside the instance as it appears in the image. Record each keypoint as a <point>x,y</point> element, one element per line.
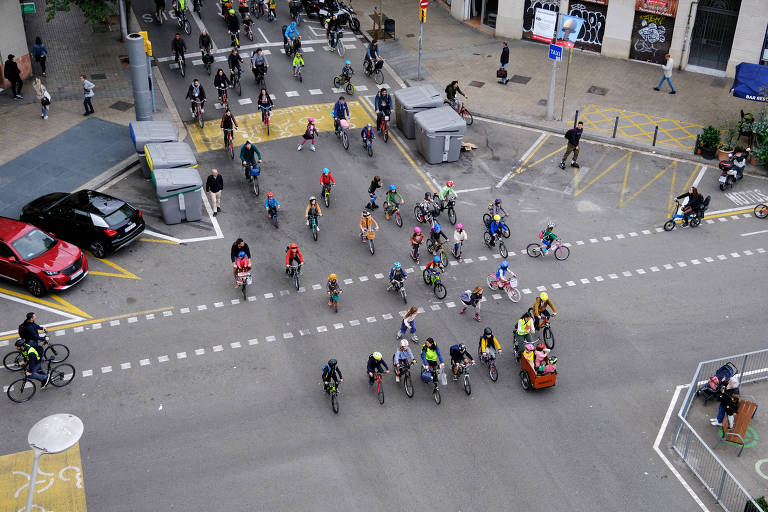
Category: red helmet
<point>270,195</point>
<point>293,246</point>
<point>540,346</point>
<point>449,183</point>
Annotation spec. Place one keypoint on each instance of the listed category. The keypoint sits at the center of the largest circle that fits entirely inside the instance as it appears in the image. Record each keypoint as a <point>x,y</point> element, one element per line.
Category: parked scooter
<point>732,169</point>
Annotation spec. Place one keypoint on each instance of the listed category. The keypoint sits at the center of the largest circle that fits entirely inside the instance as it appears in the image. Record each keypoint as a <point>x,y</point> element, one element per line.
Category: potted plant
<point>708,140</point>
<point>759,154</point>
<point>730,134</point>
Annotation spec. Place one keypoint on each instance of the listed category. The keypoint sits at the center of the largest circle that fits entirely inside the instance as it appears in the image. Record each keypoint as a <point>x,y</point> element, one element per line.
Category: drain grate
<point>600,91</point>
<point>410,35</point>
<point>719,82</point>
<point>122,106</point>
<point>520,79</point>
<point>543,103</point>
<point>99,76</point>
<point>477,84</point>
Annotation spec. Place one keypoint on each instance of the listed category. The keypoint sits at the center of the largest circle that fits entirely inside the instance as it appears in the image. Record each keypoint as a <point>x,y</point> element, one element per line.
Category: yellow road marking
<point>123,273</point>
<point>283,123</point>
<point>640,190</point>
<point>405,153</point>
<point>576,188</point>
<point>158,241</point>
<point>537,162</point>
<point>97,320</point>
<point>520,169</point>
<point>672,189</point>
<point>60,303</point>
<point>672,195</point>
<point>59,481</point>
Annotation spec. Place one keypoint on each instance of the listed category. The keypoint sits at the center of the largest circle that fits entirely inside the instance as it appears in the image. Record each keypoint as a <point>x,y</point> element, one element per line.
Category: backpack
<point>465,297</point>
<point>21,329</point>
<point>446,89</point>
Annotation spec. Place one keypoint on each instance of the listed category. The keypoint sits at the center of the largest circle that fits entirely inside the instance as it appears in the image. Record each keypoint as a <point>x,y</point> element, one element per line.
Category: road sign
<point>423,4</point>
<point>27,8</point>
<point>555,52</point>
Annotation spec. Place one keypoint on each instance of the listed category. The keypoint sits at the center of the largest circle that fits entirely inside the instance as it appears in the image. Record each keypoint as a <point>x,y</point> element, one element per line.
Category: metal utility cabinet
<point>412,100</point>
<point>169,155</point>
<point>147,132</point>
<point>180,194</point>
<point>439,132</point>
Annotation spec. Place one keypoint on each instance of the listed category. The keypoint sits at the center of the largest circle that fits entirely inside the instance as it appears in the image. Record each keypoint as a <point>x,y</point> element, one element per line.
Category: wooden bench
<point>747,410</point>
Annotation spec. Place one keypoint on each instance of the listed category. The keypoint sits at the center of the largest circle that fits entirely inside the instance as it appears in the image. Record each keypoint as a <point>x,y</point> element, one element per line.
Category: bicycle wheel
<point>562,253</point>
<point>62,374</point>
<point>549,338</point>
<point>200,118</point>
<point>370,246</point>
<point>336,306</point>
<point>761,211</point>
<point>182,67</point>
<point>525,380</point>
<point>327,198</point>
<point>187,27</point>
<point>402,294</point>
<point>398,219</point>
<point>467,117</point>
<point>491,281</point>
<point>208,68</point>
<point>669,225</point>
<point>249,34</point>
<point>350,89</point>
<point>345,140</point>
<point>408,385</point>
<point>13,361</point>
<point>340,48</point>
<point>487,219</point>
<point>245,284</point>
<point>513,294</point>
<point>296,279</point>
<point>386,134</point>
<point>274,220</point>
<point>380,391</point>
<point>370,150</point>
<point>487,239</point>
<point>335,402</point>
<point>314,232</point>
<point>425,277</point>
<point>467,385</point>
<point>452,215</point>
<point>239,87</point>
<point>56,352</point>
<point>255,184</point>
<point>505,232</point>
<point>436,396</point>
<point>440,291</point>
<point>21,390</point>
<point>533,250</point>
<point>378,77</point>
<point>337,82</point>
<point>503,249</point>
<point>443,258</point>
<point>231,149</point>
<point>267,126</point>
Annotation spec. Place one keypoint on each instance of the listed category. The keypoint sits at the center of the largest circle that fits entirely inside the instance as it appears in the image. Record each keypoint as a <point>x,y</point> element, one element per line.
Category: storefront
<point>652,30</point>
<point>483,11</point>
<point>594,13</point>
<point>529,13</point>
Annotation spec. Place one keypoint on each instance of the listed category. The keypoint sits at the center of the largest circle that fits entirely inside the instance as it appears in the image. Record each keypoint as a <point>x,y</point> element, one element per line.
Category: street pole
<point>565,87</point>
<point>551,99</point>
<point>139,77</point>
<point>421,36</point>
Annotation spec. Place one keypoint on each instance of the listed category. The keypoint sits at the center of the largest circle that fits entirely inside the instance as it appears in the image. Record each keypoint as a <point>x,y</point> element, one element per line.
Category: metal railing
<point>694,451</point>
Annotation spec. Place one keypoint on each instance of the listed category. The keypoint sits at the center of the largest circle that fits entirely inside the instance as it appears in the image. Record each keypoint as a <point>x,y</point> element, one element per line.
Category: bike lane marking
<point>524,159</point>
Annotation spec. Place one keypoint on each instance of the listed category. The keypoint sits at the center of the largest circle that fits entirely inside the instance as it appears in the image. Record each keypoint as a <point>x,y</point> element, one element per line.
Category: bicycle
<point>694,218</point>
<point>398,286</point>
<point>252,177</point>
<point>761,211</point>
<point>405,376</point>
<point>182,63</point>
<point>393,210</point>
<point>259,73</point>
<point>560,250</point>
<point>464,374</point>
<point>341,132</point>
<point>294,271</point>
<point>243,280</point>
<point>57,352</point>
<point>487,218</point>
<point>374,70</point>
<point>384,129</point>
<point>223,97</point>
<point>333,392</point>
<point>298,74</point>
<point>295,9</point>
<point>313,226</point>
<point>343,80</point>
<point>433,279</point>
<point>237,83</point>
<point>462,110</point>
<point>207,60</point>
<point>438,250</point>
<point>267,116</point>
<point>449,204</point>
<point>183,23</point>
<point>257,8</point>
<point>489,359</point>
<point>335,44</point>
<point>326,194</point>
<point>197,6</point>
<point>248,30</point>
<point>368,145</point>
<point>509,287</point>
<point>291,46</point>
<point>197,113</point>
<point>490,240</point>
<point>335,301</point>
<point>422,216</point>
<point>228,144</point>
<point>434,373</point>
<point>546,330</point>
<point>379,385</point>
<point>272,214</point>
<point>24,389</point>
<point>367,236</point>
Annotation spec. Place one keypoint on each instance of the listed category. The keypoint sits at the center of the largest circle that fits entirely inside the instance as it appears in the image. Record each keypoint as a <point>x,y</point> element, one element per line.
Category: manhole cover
<point>600,91</point>
<point>543,103</point>
<point>122,106</point>
<point>99,76</point>
<point>477,84</point>
<point>520,79</point>
<point>719,82</point>
<point>410,35</point>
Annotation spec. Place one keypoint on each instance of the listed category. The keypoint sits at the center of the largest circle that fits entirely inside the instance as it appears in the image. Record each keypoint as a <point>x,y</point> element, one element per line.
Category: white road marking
<point>363,279</point>
<point>184,310</point>
<point>699,176</point>
<point>162,359</point>
<point>619,236</point>
<point>217,348</point>
<point>482,258</point>
<point>640,271</point>
<point>579,242</point>
<point>235,344</point>
<point>106,369</point>
<point>556,286</point>
<point>199,351</point>
<point>144,362</point>
<point>316,286</point>
<point>181,355</point>
<point>668,266</point>
<point>125,366</point>
<point>79,329</point>
<point>264,37</point>
<point>87,373</point>
<point>696,262</point>
<point>315,92</point>
<point>234,301</point>
<point>450,304</point>
<point>283,293</point>
<point>606,238</point>
<point>378,276</point>
<point>114,323</point>
<point>348,281</point>
<point>755,233</point>
<point>370,319</point>
<point>167,313</point>
<point>633,234</point>
<point>722,257</point>
<point>646,232</point>
<point>291,94</point>
<point>267,295</point>
<point>468,260</point>
<point>287,335</point>
<point>387,316</point>
<point>627,273</point>
<point>218,304</point>
<point>322,328</point>
<point>338,326</point>
<point>723,219</point>
<point>477,189</point>
<point>522,159</point>
<point>245,101</point>
<point>735,255</point>
<point>496,296</point>
<point>150,316</point>
<point>354,322</point>
<point>570,283</point>
<point>593,240</point>
<point>525,291</point>
<point>584,280</point>
<point>202,307</point>
<point>709,259</point>
<point>60,333</point>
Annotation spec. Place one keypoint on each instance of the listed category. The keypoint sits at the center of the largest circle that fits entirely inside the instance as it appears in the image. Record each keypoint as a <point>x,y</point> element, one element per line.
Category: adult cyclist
<point>372,55</point>
<point>235,62</point>
<point>540,306</point>
<point>178,47</point>
<point>383,105</point>
<point>233,26</point>
<point>340,111</point>
<point>196,93</point>
<point>291,35</point>
<point>34,367</point>
<point>206,45</point>
<point>29,331</point>
<point>248,154</point>
<point>228,123</point>
<point>431,357</point>
<point>238,247</point>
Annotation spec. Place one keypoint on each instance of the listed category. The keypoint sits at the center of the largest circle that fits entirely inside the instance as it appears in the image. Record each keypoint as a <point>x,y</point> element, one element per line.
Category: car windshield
<point>33,244</point>
<point>120,215</point>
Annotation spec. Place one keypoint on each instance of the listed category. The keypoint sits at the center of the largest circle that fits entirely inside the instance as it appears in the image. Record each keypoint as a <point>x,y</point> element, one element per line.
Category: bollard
<point>655,133</point>
<point>615,126</point>
<point>575,119</point>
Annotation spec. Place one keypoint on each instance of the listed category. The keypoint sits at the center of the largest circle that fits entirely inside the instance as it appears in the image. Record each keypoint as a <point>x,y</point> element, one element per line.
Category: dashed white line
<point>150,316</point>
<point>132,320</point>
<point>526,291</point>
<point>348,281</point>
<point>217,348</point>
<point>593,240</point>
<point>387,316</point>
<point>283,293</point>
<point>316,286</point>
<point>640,271</point>
<point>112,323</point>
<point>468,260</point>
<point>162,359</point>
<point>184,310</point>
<point>235,344</point>
<point>541,288</point>
<point>270,339</point>
<point>87,373</point>
<point>646,232</point>
<point>363,279</point>
<point>633,234</point>
<point>144,362</point>
<point>627,273</point>
<point>181,355</point>
<point>482,258</point>
<point>748,253</point>
<point>735,255</point>
<point>199,351</point>
<point>202,307</point>
<point>722,257</point>
<point>696,262</point>
<point>251,298</point>
<point>354,322</point>
<point>218,304</point>
<point>584,280</point>
<point>607,239</point>
<point>268,295</point>
<point>619,236</point>
<point>167,313</point>
<point>321,328</point>
<point>125,366</point>
<point>96,326</point>
<point>338,326</point>
<point>253,341</point>
<point>378,276</point>
<point>570,283</point>
<point>106,369</point>
<point>709,259</point>
<point>450,304</point>
<point>556,286</point>
<point>234,301</point>
<point>287,335</point>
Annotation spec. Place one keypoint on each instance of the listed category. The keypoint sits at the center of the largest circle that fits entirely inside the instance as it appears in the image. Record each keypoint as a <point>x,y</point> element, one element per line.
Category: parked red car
<point>37,260</point>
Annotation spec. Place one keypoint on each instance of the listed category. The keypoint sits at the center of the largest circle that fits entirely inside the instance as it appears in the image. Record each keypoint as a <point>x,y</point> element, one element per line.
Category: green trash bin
<point>180,194</point>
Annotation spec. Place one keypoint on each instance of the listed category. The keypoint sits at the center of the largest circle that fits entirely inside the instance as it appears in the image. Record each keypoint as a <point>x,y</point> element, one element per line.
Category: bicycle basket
<point>255,171</point>
<point>344,124</point>
<point>370,234</point>
<point>339,34</point>
<point>513,282</point>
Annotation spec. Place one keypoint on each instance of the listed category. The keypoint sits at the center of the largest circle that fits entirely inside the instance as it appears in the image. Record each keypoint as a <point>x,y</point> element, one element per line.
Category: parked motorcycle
<point>345,14</point>
<point>732,169</point>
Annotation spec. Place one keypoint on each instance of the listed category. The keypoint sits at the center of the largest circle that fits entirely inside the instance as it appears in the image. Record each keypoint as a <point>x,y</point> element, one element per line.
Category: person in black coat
<point>13,75</point>
<point>504,61</point>
<point>573,136</point>
<point>695,201</point>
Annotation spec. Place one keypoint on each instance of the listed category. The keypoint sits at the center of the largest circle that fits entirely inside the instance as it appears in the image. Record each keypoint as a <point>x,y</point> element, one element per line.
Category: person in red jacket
<point>292,253</point>
<point>326,180</point>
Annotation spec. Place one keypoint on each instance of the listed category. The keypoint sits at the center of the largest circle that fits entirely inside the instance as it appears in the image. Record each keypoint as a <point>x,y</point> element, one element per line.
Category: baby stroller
<point>721,377</point>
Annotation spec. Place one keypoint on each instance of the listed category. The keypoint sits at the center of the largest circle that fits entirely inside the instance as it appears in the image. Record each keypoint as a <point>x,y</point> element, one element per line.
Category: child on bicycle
<point>494,228</point>
<point>435,234</point>
<point>241,265</point>
<point>433,267</point>
<point>298,63</point>
<point>393,200</point>
<point>347,72</point>
<point>403,358</point>
<point>503,274</point>
<point>331,371</point>
<point>547,236</point>
<point>367,133</point>
<point>326,180</point>
<point>310,132</point>
<point>333,288</point>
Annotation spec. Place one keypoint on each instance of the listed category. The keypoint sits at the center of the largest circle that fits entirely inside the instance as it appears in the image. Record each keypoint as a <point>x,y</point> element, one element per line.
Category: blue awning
<point>751,82</point>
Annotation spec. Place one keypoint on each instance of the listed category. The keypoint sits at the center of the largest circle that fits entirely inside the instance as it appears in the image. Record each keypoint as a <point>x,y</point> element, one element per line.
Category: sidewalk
<point>604,86</point>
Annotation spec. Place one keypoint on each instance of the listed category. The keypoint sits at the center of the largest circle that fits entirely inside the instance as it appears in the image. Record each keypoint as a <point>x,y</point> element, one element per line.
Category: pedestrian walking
<point>472,298</point>
<point>409,324</point>
<point>504,63</point>
<point>13,75</point>
<point>667,75</point>
<point>88,94</point>
<point>573,136</point>
<point>43,96</point>
<point>214,185</point>
<point>40,52</point>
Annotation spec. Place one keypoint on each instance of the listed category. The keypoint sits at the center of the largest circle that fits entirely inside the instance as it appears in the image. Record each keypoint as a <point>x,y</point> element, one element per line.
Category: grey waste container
<point>439,132</point>
<point>146,132</point>
<point>180,194</point>
<point>412,100</point>
<point>169,155</point>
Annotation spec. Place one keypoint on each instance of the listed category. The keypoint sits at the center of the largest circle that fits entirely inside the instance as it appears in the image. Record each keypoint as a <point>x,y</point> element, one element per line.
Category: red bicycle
<point>462,110</point>
<point>510,287</point>
<point>229,145</point>
<point>223,97</point>
<point>384,127</point>
<point>379,385</point>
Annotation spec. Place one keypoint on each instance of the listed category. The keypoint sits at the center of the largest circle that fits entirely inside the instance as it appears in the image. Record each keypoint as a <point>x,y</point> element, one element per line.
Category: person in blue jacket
<point>397,275</point>
<point>340,111</point>
<point>375,362</point>
<point>290,32</point>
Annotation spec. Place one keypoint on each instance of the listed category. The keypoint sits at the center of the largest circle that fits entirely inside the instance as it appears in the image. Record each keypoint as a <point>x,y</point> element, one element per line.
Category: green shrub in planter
<point>730,135</point>
<point>749,507</point>
<point>710,138</point>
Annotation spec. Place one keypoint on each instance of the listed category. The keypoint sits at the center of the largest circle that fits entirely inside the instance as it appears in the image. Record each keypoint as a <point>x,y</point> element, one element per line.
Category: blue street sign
<point>555,52</point>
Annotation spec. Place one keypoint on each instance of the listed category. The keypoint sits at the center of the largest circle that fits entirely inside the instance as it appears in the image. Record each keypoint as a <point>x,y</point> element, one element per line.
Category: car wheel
<point>35,286</point>
<point>98,249</point>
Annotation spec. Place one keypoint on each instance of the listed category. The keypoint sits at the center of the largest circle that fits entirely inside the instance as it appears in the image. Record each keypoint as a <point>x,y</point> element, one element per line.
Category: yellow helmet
<point>544,296</point>
<point>332,277</point>
<point>497,218</point>
<point>377,356</point>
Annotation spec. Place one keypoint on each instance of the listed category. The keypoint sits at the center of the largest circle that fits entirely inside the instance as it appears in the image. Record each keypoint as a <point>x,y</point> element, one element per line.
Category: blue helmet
<point>393,187</point>
<point>326,170</point>
<point>437,228</point>
<point>436,259</point>
<point>241,254</point>
<point>504,264</point>
<point>348,63</point>
<point>397,264</point>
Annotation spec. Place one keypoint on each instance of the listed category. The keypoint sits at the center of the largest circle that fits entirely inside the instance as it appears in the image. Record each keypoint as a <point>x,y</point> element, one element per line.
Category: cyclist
<point>34,367</point>
<point>228,123</point>
<point>340,111</point>
<point>332,26</point>
<point>494,228</point>
<point>472,298</point>
<point>310,132</point>
<point>222,83</point>
<point>496,209</point>
<point>326,180</point>
<point>367,222</point>
<point>291,35</point>
<point>298,63</point>
<point>248,154</point>
<point>238,247</point>
<point>372,55</point>
<point>333,288</point>
<point>367,134</point>
<point>433,267</point>
<point>264,102</point>
<point>417,238</point>
<point>272,205</point>
<point>233,26</point>
<point>272,7</point>
<point>292,253</point>
<point>450,92</point>
<point>459,354</point>
<point>503,274</point>
<point>206,44</point>
<point>403,358</point>
<point>383,105</point>
<point>178,47</point>
<point>243,8</point>
<point>393,200</point>
<point>435,234</point>
<point>259,63</point>
<point>524,331</point>
<point>347,72</point>
<point>29,331</point>
<point>375,362</point>
<point>540,306</point>
<point>179,7</point>
<point>547,236</point>
<point>242,264</point>
<point>313,210</point>
<point>235,63</point>
<point>375,183</point>
<point>331,371</point>
<point>431,357</point>
<point>489,345</point>
<point>458,240</point>
<point>446,192</point>
<point>159,8</point>
<point>196,93</point>
<point>428,206</point>
<point>397,276</point>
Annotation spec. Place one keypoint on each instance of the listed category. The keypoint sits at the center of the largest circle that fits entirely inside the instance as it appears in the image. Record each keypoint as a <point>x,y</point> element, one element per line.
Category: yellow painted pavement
<point>284,123</point>
<point>59,486</point>
<point>56,302</point>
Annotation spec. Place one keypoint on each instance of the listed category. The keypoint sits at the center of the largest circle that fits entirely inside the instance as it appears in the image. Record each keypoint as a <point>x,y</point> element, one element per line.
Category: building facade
<point>13,39</point>
<point>705,36</point>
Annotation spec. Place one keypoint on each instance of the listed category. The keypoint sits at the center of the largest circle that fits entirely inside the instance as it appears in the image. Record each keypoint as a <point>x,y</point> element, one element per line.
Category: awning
<point>751,82</point>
